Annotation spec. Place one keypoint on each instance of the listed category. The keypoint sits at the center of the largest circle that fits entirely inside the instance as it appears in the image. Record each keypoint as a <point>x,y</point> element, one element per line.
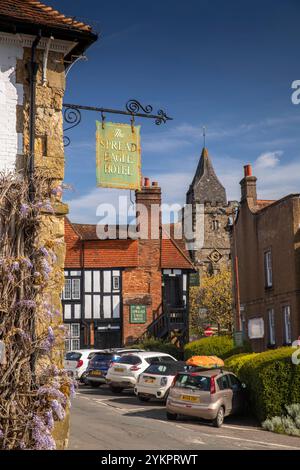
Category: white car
<point>76,362</point>
<point>156,380</point>
<point>125,372</point>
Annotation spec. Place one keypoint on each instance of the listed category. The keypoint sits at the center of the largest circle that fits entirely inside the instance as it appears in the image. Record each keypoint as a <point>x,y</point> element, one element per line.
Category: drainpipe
<point>32,76</point>
<point>33,68</point>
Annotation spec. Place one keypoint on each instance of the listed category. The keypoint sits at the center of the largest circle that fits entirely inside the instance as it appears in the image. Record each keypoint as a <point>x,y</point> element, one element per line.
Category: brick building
<point>118,289</point>
<point>213,247</point>
<point>266,251</point>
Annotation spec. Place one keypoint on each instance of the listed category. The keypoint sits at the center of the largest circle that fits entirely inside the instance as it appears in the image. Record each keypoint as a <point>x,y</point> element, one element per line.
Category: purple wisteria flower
<point>41,435</point>
<point>50,391</point>
<point>24,209</point>
<point>47,206</point>
<point>57,191</point>
<point>49,419</point>
<point>58,409</point>
<point>46,268</point>
<point>1,434</point>
<point>27,262</point>
<point>15,266</point>
<point>44,251</point>
<point>22,445</point>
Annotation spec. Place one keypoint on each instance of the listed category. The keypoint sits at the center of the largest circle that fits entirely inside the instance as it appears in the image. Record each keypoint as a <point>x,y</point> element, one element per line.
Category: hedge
<point>272,380</point>
<point>221,346</point>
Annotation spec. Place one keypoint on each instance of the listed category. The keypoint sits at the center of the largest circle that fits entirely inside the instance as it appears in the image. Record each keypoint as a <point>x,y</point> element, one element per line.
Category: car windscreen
<point>100,357</point>
<point>162,369</point>
<point>73,356</point>
<point>129,360</point>
<point>194,382</point>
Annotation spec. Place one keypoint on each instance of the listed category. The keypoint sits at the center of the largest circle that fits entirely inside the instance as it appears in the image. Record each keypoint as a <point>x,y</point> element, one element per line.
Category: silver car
<point>208,394</point>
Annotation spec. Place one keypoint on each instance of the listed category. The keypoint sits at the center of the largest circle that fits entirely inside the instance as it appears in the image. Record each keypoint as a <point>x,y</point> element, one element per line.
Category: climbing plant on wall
<point>34,391</point>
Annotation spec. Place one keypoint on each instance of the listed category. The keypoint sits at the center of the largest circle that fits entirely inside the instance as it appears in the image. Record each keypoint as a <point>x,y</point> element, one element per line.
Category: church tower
<point>212,213</point>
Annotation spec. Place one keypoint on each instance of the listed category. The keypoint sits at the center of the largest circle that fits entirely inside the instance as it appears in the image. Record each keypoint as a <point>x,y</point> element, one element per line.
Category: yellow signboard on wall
<point>118,155</point>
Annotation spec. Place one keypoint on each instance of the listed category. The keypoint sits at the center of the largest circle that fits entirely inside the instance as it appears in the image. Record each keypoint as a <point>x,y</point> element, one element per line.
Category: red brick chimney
<point>149,196</point>
<point>248,186</point>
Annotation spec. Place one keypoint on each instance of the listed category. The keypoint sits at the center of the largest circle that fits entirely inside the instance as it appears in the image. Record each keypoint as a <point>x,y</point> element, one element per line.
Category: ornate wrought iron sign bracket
<point>72,114</point>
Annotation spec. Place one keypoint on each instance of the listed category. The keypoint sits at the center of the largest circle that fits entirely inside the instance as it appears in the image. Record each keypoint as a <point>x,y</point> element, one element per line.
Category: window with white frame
<point>76,289</point>
<point>215,224</point>
<point>67,292</point>
<point>116,283</point>
<point>72,341</point>
<point>271,320</point>
<point>268,268</point>
<point>287,324</point>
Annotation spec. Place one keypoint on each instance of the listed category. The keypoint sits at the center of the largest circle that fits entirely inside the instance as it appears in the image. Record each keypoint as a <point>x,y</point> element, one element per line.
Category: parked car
<point>208,394</point>
<point>157,379</point>
<point>125,372</point>
<point>100,363</point>
<point>76,362</point>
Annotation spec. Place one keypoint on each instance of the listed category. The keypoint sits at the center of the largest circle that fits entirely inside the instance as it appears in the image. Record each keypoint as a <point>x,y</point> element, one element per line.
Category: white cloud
<point>268,160</point>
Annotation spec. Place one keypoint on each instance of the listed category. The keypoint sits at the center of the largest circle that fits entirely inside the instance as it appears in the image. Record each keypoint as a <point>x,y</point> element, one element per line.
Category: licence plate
<point>190,398</point>
<point>96,372</point>
<point>119,369</point>
<point>149,380</point>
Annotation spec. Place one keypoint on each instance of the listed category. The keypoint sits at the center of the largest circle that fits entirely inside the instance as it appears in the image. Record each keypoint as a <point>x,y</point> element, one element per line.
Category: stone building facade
<point>210,250</point>
<point>37,43</point>
<point>266,245</point>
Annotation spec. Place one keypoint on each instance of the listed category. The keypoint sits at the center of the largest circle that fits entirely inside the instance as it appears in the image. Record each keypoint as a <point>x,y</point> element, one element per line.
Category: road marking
<point>255,442</point>
<point>239,428</point>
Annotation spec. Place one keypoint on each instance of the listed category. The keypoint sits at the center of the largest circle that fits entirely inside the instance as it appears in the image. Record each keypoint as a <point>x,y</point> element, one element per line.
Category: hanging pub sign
<point>118,155</point>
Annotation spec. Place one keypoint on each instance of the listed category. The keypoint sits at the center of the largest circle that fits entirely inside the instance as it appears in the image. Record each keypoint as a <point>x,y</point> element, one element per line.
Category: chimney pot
<point>247,170</point>
<point>146,182</point>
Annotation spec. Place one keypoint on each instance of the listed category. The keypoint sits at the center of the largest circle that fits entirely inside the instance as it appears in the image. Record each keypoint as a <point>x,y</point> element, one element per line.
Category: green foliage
<point>221,346</point>
<point>272,380</point>
<point>286,424</point>
<point>234,363</point>
<point>153,344</point>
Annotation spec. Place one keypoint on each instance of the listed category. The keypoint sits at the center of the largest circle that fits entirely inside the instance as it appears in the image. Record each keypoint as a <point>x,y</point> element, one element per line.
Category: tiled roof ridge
<point>62,19</point>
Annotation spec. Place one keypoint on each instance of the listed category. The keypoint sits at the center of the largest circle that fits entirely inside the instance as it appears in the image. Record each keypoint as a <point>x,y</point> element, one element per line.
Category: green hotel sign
<point>138,314</point>
<point>118,155</point>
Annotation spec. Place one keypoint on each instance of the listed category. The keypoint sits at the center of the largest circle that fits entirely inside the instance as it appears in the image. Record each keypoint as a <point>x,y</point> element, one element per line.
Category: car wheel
<point>171,416</point>
<point>141,398</point>
<point>219,419</point>
<point>94,384</point>
<point>116,389</point>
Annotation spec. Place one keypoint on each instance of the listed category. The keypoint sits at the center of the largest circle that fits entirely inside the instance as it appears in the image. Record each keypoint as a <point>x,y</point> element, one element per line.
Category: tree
<point>211,303</point>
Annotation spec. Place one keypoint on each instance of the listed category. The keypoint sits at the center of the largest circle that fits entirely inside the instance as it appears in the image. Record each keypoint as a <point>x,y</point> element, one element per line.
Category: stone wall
<point>49,157</point>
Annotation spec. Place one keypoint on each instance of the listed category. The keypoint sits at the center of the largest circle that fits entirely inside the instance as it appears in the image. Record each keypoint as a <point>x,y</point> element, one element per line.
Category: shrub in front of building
<point>221,346</point>
<point>272,380</point>
<point>158,345</point>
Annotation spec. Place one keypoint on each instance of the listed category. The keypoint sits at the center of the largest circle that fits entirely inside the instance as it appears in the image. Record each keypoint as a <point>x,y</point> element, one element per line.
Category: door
<point>237,393</point>
<point>106,338</point>
<point>226,392</point>
<point>173,291</point>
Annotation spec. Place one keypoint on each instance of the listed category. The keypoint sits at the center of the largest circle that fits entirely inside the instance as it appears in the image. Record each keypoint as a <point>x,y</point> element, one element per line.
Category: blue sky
<point>226,65</point>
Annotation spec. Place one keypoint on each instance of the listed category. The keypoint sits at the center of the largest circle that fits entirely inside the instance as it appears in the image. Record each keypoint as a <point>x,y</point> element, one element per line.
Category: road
<point>101,420</point>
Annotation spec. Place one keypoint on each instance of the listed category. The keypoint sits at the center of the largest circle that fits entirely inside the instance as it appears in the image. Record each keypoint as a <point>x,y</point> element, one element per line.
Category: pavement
<point>101,420</point>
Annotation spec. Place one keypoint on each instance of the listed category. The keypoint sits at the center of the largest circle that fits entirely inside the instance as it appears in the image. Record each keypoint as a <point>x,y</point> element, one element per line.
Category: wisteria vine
<point>35,390</point>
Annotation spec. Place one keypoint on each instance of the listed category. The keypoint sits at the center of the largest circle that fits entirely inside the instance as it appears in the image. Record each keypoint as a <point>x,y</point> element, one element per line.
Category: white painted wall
<point>11,94</point>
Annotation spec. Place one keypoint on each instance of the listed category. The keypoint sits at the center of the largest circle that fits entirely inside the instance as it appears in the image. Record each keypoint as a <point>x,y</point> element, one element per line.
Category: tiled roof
<point>89,231</point>
<point>264,202</point>
<point>120,252</point>
<point>36,12</point>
